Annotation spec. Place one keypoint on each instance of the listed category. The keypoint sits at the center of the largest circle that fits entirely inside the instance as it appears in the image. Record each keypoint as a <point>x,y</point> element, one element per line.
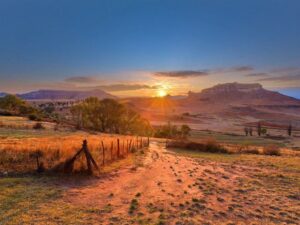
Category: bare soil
<point>169,188</point>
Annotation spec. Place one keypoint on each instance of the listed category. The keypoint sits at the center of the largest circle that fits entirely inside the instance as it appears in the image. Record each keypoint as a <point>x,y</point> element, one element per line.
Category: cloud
<point>282,78</point>
<point>235,69</point>
<point>201,73</point>
<point>257,75</point>
<point>285,70</point>
<point>182,74</point>
<point>125,87</point>
<point>80,79</point>
<point>241,69</point>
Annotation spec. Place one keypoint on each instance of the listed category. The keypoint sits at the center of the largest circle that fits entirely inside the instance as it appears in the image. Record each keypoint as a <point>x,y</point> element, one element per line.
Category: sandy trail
<point>176,190</point>
<point>160,177</point>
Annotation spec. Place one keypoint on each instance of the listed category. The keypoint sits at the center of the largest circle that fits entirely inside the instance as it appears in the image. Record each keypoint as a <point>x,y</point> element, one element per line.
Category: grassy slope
<point>283,163</point>
<point>273,179</point>
<point>237,139</point>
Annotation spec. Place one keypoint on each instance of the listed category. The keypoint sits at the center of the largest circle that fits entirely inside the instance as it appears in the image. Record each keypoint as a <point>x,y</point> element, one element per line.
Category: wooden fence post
<point>118,152</point>
<point>89,159</point>
<point>111,151</point>
<point>103,149</point>
<point>127,147</point>
<point>130,145</point>
<point>123,149</point>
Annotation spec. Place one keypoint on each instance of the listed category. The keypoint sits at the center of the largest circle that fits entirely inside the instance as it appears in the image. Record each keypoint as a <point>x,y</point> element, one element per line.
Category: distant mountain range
<point>62,95</point>
<point>221,94</point>
<point>221,106</point>
<point>227,104</point>
<point>2,94</point>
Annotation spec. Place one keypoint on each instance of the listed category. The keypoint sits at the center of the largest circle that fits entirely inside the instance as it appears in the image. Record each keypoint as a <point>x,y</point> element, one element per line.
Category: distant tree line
<point>263,131</point>
<point>172,131</point>
<point>108,115</point>
<point>13,105</point>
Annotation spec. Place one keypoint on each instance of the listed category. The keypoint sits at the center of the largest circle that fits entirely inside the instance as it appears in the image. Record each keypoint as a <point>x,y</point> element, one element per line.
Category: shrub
<point>209,146</point>
<point>271,150</point>
<point>33,117</point>
<point>38,126</point>
<point>250,151</point>
<point>264,131</point>
<point>213,146</point>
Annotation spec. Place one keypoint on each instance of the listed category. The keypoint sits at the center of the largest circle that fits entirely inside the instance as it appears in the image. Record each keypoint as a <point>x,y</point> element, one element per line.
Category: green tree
<point>259,129</point>
<point>16,106</point>
<point>11,103</point>
<point>185,131</point>
<point>289,130</point>
<point>108,115</point>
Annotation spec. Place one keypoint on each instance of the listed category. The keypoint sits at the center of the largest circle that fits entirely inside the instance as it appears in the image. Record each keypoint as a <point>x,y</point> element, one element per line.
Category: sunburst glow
<point>161,93</point>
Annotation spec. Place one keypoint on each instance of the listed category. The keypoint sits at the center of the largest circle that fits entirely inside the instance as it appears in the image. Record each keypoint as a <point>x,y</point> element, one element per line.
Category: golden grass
<point>15,152</point>
<point>16,122</point>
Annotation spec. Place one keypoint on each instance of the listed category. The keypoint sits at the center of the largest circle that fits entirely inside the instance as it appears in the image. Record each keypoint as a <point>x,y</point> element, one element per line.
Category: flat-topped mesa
<point>228,89</point>
<point>232,87</point>
<point>231,93</point>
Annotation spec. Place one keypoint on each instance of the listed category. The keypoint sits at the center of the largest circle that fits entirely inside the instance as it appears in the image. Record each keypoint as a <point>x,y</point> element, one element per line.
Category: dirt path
<point>172,189</point>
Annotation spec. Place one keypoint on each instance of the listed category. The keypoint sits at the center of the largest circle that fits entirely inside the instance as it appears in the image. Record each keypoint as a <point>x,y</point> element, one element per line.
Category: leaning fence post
<point>88,161</point>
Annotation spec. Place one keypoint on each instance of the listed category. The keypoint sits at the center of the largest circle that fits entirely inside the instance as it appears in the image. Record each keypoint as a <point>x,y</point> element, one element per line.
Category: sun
<point>161,93</point>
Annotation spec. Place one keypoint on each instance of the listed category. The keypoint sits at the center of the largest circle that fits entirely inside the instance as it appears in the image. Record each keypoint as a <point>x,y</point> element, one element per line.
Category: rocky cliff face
<point>242,93</point>
<point>232,88</point>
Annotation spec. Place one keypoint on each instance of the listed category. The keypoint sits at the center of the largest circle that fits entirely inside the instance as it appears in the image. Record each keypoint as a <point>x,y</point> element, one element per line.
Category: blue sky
<point>43,44</point>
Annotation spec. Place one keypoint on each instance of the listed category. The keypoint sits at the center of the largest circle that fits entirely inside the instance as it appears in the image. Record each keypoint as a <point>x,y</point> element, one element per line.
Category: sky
<point>141,47</point>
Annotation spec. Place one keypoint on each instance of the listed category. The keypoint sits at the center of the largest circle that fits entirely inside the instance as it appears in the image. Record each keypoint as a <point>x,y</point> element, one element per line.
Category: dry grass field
<point>152,186</point>
<point>159,186</point>
<point>17,146</point>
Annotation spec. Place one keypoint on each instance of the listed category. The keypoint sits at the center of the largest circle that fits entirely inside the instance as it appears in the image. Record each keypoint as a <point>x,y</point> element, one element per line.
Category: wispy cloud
<point>182,74</point>
<point>80,79</point>
<point>201,73</point>
<point>241,69</point>
<point>234,69</point>
<point>282,78</point>
<point>257,75</point>
<point>125,87</point>
<point>285,70</point>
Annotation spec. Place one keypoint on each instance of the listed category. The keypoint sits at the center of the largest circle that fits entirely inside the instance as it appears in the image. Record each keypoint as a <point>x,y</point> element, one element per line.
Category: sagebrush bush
<point>271,150</point>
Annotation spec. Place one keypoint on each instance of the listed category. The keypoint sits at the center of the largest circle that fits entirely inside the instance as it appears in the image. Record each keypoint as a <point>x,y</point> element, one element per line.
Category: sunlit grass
<point>57,146</point>
<point>38,199</point>
<point>281,162</point>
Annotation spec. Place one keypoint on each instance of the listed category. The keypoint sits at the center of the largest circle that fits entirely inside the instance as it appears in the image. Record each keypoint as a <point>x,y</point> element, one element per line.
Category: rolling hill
<point>64,95</point>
